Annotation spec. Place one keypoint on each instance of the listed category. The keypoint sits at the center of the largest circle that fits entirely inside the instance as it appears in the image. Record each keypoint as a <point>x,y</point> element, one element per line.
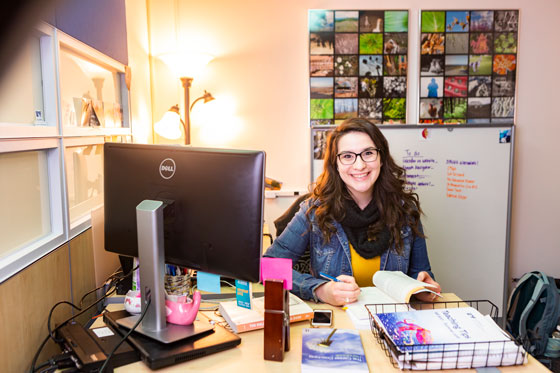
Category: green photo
<point>394,108</point>
<point>454,108</point>
<point>396,21</point>
<point>371,43</point>
<point>321,108</point>
<point>433,21</point>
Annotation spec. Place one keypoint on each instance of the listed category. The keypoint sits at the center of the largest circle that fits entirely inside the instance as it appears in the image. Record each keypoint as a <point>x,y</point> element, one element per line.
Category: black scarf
<point>355,225</point>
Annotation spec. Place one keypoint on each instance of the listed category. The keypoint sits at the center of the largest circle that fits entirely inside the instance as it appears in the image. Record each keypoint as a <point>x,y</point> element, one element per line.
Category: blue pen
<point>328,277</point>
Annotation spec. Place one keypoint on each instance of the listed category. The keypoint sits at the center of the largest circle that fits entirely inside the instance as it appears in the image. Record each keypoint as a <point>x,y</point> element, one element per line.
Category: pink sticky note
<point>277,269</point>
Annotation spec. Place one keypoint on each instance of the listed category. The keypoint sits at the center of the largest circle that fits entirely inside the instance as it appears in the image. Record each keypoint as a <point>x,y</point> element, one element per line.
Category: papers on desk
<point>357,311</point>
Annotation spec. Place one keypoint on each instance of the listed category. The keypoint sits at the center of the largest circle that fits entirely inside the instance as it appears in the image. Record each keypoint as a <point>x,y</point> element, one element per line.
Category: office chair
<point>303,263</point>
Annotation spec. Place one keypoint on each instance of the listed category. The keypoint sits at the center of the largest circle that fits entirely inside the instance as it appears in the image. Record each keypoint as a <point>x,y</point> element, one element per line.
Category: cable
<point>125,336</point>
<point>51,334</point>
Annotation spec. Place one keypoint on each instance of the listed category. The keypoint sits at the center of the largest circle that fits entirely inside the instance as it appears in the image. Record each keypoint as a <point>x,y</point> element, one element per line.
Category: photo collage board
<point>358,63</point>
<point>468,65</point>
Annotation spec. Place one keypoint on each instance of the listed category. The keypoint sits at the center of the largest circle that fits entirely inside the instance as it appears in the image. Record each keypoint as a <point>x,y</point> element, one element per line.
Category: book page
<point>370,295</point>
<point>399,286</point>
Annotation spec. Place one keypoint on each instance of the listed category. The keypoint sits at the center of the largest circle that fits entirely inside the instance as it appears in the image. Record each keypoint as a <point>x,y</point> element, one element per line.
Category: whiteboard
<point>462,175</point>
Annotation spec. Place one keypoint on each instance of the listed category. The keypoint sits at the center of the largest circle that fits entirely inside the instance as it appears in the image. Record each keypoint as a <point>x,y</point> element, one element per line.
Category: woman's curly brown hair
<point>398,206</point>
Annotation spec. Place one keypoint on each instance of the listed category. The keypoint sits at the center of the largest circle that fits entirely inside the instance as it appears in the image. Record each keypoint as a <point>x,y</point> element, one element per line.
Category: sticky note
<point>208,282</point>
<point>277,269</point>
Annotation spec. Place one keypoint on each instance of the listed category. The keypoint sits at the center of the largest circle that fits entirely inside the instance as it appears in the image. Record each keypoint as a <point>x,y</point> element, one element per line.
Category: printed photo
<point>394,108</point>
<point>481,43</point>
<point>457,64</point>
<point>454,108</point>
<point>480,86</point>
<point>433,21</point>
<point>431,108</point>
<point>346,65</point>
<point>394,86</point>
<point>431,65</point>
<point>506,42</point>
<point>370,108</point>
<point>321,65</point>
<point>320,143</point>
<point>371,21</point>
<point>345,108</point>
<point>506,20</point>
<point>503,86</point>
<point>345,87</point>
<point>480,64</point>
<point>395,43</point>
<point>457,43</point>
<point>394,65</point>
<point>479,107</point>
<point>396,21</point>
<point>478,120</point>
<point>432,44</point>
<point>346,21</point>
<point>346,43</point>
<point>321,87</point>
<point>321,43</point>
<point>431,87</point>
<point>321,108</point>
<point>371,65</point>
<point>321,122</point>
<point>321,20</point>
<point>504,64</point>
<point>455,86</point>
<point>457,21</point>
<point>482,20</point>
<point>371,87</point>
<point>371,43</point>
<point>505,136</point>
<point>502,120</point>
<point>503,107</point>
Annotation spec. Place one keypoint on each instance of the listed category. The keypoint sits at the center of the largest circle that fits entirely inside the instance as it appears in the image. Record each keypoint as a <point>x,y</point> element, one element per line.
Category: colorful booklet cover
<point>337,350</point>
<point>437,330</point>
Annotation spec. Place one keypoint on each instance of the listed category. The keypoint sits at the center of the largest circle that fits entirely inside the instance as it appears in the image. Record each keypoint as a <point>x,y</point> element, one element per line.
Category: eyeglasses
<point>368,155</point>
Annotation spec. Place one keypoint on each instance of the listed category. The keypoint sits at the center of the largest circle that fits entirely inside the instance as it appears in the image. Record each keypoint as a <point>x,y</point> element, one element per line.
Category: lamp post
<point>187,87</point>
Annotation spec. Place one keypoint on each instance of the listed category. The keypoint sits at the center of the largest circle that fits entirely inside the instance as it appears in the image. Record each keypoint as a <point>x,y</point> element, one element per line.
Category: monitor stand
<point>149,221</point>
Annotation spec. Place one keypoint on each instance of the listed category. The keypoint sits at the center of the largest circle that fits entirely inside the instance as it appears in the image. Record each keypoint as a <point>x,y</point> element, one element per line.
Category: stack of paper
<point>447,339</point>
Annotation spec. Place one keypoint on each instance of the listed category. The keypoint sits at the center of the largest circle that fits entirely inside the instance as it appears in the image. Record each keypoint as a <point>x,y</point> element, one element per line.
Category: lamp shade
<point>186,64</point>
<point>169,126</point>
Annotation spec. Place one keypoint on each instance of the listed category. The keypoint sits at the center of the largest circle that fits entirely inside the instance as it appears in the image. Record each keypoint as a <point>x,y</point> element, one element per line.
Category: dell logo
<point>167,168</point>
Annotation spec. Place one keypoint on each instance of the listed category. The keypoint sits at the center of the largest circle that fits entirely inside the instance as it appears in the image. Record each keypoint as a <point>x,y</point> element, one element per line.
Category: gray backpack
<point>533,311</point>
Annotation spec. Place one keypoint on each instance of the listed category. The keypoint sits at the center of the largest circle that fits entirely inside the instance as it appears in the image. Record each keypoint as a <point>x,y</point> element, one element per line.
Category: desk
<point>248,356</point>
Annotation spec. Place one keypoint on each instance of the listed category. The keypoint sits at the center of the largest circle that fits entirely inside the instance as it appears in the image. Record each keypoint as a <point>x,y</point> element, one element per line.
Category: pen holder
<point>180,285</point>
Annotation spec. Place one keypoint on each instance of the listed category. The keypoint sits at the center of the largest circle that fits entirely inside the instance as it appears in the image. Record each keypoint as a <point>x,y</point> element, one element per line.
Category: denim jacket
<point>333,258</point>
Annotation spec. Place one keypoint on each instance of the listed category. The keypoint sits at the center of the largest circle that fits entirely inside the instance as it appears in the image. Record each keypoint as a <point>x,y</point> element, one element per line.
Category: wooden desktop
<point>248,356</point>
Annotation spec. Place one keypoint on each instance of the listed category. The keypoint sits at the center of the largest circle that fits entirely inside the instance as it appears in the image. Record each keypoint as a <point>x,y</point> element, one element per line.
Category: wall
<point>260,68</point>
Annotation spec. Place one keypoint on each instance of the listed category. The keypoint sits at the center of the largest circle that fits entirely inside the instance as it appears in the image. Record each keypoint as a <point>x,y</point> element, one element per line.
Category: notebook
<point>157,355</point>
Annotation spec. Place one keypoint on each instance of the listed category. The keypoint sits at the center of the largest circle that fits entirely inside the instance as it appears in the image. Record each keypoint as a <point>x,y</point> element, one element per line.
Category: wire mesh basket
<point>435,356</point>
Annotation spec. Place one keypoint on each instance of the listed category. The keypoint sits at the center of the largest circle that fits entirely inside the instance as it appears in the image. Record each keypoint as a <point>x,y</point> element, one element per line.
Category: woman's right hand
<point>339,293</point>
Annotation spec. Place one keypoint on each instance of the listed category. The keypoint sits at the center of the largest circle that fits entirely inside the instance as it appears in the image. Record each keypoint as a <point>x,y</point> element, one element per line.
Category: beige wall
<point>261,51</point>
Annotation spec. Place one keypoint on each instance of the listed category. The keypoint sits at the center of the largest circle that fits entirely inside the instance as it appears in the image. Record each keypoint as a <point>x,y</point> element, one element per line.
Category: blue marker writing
<point>328,277</point>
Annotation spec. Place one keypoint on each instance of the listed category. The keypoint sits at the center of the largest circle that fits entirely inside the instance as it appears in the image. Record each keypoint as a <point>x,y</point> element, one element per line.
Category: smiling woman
<point>358,220</point>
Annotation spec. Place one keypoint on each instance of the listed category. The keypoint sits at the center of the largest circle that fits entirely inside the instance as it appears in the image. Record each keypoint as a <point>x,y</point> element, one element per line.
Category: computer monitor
<point>210,210</point>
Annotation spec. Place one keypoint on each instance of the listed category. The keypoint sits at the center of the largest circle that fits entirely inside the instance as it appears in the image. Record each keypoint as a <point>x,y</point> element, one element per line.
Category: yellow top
<point>364,269</point>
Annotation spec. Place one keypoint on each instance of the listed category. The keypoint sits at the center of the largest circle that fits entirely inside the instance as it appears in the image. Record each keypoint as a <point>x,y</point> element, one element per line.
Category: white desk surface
<point>248,356</point>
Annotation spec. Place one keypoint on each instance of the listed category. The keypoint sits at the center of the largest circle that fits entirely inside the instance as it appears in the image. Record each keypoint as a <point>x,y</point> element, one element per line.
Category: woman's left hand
<point>428,297</point>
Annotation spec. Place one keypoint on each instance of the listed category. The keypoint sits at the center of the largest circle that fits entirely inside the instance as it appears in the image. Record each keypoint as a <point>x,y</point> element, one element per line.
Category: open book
<point>390,287</point>
<point>243,320</point>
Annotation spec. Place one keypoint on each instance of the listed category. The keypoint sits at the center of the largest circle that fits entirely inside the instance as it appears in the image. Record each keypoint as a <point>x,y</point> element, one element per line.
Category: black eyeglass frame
<point>356,155</point>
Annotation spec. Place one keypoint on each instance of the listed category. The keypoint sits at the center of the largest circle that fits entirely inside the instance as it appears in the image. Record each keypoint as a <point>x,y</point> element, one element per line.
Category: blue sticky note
<point>208,282</point>
<point>243,293</point>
